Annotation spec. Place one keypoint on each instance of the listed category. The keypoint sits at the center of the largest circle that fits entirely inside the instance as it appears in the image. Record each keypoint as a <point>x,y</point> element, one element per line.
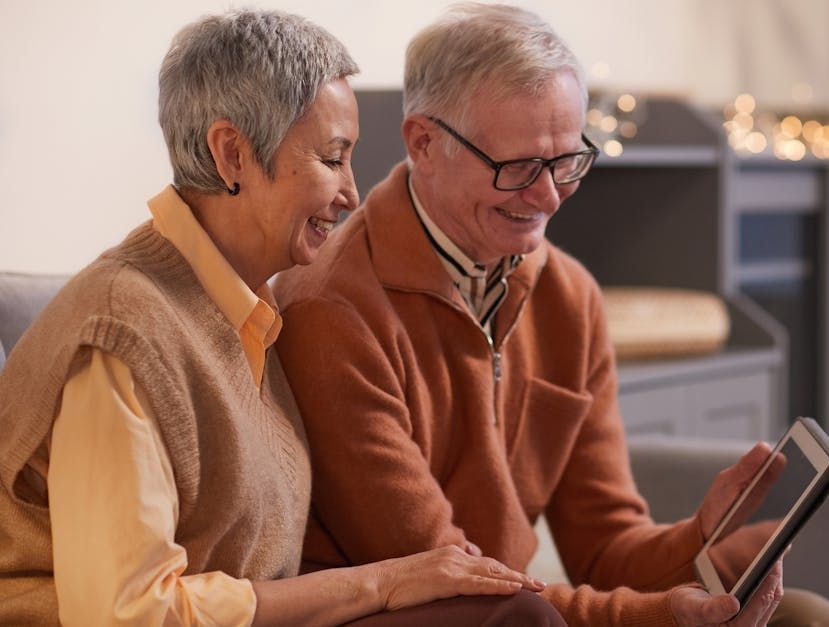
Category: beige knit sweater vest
<point>239,456</point>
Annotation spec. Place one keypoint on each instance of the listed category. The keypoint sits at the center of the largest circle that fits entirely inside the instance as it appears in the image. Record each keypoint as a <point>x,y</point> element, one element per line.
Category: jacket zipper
<point>496,359</point>
<point>497,365</point>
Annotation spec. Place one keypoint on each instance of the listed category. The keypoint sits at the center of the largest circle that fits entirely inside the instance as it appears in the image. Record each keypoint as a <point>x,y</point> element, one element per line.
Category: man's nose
<point>543,194</point>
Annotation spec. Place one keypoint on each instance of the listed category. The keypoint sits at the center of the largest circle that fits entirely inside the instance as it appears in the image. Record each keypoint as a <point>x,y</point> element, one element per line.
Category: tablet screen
<point>761,514</point>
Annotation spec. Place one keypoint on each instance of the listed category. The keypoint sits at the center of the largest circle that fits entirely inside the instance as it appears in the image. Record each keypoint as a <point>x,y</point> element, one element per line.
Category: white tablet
<point>763,521</point>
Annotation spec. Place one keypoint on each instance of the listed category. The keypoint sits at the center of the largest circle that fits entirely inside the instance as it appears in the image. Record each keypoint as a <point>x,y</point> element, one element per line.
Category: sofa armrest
<point>673,474</point>
<point>22,297</point>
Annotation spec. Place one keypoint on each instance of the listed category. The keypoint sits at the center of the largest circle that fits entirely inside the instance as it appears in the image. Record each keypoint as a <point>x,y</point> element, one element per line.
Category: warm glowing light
<point>791,126</point>
<point>745,103</point>
<point>628,129</point>
<point>609,124</point>
<point>812,130</point>
<point>794,150</point>
<point>750,130</point>
<point>626,103</point>
<point>820,150</point>
<point>600,69</point>
<point>594,117</point>
<point>802,93</point>
<point>756,142</point>
<point>737,140</point>
<point>744,121</point>
<point>612,148</point>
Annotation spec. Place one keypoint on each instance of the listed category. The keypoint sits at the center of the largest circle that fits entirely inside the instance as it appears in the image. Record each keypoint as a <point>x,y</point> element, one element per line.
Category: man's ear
<point>421,139</point>
<point>226,145</point>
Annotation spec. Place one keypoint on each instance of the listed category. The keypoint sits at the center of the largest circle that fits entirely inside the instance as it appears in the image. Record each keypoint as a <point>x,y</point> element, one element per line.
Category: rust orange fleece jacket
<point>423,434</point>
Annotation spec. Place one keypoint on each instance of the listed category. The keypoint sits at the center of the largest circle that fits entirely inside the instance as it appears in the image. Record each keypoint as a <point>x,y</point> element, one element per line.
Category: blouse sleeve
<point>114,511</point>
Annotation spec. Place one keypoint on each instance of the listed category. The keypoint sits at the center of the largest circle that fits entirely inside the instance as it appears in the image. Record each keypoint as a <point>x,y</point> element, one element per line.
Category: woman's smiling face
<point>313,180</point>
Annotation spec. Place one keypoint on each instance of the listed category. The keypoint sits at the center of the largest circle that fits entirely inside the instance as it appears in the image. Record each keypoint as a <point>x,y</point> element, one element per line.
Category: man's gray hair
<point>503,49</point>
<point>260,70</point>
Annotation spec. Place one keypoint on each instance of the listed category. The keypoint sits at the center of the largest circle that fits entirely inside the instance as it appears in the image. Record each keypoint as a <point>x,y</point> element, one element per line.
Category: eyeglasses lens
<point>518,174</point>
<point>572,168</point>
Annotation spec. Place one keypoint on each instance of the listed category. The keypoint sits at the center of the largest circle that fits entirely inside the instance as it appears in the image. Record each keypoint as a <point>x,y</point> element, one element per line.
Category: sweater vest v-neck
<point>238,452</point>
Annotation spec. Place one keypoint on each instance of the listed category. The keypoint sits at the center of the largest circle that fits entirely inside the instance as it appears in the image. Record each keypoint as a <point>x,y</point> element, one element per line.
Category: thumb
<point>720,608</point>
<point>748,465</point>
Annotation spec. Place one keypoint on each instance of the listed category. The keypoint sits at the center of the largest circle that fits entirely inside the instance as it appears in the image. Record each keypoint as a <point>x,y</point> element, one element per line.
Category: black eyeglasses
<point>518,174</point>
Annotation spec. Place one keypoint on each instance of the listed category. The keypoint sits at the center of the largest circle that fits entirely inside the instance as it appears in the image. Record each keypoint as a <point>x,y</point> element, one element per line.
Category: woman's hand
<point>442,573</point>
<point>340,595</point>
<point>694,607</point>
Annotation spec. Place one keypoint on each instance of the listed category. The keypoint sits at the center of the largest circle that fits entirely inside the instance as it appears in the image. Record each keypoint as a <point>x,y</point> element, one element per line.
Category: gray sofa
<point>673,474</point>
<point>22,296</point>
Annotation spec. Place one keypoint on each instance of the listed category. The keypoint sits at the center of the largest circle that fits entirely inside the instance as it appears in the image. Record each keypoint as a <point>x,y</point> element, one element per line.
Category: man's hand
<point>728,485</point>
<point>693,607</point>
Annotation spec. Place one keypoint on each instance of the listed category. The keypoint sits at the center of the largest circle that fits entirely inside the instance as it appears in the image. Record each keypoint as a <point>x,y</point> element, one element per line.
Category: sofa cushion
<point>22,297</point>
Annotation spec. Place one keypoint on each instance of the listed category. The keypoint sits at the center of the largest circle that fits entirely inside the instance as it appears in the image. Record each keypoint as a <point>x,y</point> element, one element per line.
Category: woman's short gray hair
<point>258,69</point>
<point>504,48</point>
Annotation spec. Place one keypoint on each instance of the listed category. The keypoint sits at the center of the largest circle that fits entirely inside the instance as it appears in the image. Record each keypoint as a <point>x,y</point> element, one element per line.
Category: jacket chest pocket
<point>549,422</point>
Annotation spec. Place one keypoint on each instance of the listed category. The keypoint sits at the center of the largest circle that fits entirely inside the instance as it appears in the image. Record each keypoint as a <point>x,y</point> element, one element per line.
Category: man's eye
<point>333,163</point>
<point>520,167</point>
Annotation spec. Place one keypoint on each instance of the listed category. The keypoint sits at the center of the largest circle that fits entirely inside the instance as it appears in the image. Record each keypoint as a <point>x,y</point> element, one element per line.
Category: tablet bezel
<point>813,442</point>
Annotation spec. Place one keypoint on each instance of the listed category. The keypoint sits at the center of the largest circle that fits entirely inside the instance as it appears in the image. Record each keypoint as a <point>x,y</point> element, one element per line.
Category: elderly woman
<point>154,468</point>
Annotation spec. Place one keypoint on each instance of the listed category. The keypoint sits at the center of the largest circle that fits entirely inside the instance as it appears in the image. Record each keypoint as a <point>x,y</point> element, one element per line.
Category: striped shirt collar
<point>483,294</point>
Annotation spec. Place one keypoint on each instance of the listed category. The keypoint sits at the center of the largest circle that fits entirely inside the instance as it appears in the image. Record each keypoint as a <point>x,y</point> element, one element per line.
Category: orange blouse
<point>112,495</point>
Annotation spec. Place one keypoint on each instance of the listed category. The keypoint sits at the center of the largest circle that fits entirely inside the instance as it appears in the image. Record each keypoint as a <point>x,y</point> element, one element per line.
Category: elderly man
<point>453,367</point>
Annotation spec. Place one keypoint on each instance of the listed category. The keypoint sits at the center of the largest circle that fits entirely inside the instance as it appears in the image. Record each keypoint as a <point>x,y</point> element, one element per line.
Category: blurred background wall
<point>80,149</point>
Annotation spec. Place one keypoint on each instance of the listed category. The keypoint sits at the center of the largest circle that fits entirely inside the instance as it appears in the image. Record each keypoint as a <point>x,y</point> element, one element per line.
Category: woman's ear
<point>226,145</point>
<point>420,136</point>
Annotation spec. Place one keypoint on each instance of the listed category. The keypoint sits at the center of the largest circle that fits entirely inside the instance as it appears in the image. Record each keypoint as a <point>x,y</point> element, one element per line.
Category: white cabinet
<point>729,405</point>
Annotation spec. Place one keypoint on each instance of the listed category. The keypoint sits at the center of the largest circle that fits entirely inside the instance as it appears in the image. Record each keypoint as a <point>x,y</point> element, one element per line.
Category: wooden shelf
<point>772,271</point>
<point>662,157</point>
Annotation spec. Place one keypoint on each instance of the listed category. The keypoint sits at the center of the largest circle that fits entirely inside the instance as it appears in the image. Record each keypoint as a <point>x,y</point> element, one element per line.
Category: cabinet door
<point>733,407</point>
<point>659,410</point>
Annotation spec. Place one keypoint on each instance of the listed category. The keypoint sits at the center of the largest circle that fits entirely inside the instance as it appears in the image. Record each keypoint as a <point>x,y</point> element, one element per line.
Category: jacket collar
<point>405,260</point>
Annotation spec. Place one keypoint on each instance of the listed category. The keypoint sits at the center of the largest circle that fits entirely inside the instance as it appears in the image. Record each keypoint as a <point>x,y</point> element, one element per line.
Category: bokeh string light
<point>612,117</point>
<point>787,137</point>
